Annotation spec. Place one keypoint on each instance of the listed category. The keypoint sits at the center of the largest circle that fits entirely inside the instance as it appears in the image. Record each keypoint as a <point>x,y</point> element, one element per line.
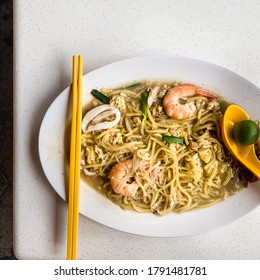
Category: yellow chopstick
<point>75,150</point>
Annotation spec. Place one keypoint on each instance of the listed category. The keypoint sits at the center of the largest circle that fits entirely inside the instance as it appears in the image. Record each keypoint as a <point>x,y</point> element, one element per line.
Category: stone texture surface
<point>6,124</point>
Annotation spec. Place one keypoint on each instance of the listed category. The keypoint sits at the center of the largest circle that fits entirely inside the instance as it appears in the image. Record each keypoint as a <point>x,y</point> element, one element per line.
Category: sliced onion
<point>98,114</point>
<point>82,160</point>
<point>152,97</point>
<point>89,173</point>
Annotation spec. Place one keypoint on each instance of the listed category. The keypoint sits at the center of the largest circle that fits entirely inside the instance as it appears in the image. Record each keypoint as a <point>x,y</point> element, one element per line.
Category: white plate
<point>101,209</point>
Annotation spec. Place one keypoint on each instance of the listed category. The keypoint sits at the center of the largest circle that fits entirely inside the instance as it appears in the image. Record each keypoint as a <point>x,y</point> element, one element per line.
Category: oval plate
<point>54,154</point>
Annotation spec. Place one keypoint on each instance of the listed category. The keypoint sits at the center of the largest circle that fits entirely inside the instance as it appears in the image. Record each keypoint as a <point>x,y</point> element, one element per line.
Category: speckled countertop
<point>47,34</point>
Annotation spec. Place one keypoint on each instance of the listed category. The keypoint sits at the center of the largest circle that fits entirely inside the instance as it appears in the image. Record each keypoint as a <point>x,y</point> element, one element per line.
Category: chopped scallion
<point>144,105</point>
<point>173,139</point>
<point>133,86</point>
<point>100,96</point>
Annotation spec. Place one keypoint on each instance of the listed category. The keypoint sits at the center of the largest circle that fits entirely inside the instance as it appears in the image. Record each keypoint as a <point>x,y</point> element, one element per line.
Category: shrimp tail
<point>203,92</point>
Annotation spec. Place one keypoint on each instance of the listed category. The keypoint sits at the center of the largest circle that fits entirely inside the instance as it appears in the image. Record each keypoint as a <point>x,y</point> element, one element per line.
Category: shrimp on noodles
<point>119,177</point>
<point>175,109</point>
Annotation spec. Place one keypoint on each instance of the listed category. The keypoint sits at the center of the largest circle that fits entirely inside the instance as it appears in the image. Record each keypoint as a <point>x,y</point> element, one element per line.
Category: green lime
<point>245,132</point>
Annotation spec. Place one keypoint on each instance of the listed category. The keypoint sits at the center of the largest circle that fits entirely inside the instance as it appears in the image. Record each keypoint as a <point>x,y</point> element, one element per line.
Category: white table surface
<point>46,35</point>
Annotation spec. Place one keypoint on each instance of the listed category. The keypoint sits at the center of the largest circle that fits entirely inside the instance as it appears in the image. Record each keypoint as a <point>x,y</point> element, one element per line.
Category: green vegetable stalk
<point>173,139</point>
<point>100,96</point>
<point>144,105</point>
<point>133,86</point>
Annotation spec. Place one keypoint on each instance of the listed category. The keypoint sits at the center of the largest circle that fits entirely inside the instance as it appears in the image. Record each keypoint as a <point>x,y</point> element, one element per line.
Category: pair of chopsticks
<point>75,151</point>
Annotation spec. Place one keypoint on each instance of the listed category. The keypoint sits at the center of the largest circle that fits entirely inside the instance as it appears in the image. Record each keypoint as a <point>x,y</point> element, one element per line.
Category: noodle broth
<point>191,171</point>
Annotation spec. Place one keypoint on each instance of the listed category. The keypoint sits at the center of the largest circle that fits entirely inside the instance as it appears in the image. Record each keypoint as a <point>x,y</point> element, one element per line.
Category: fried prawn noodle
<point>175,109</point>
<point>141,172</point>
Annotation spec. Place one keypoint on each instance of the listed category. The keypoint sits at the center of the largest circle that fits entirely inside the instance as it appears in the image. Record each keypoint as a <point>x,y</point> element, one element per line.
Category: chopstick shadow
<point>38,112</point>
<point>67,145</point>
<point>60,212</point>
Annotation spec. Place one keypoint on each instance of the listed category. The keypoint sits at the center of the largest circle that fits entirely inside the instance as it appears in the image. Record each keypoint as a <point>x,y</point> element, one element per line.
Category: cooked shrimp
<point>119,176</point>
<point>175,109</point>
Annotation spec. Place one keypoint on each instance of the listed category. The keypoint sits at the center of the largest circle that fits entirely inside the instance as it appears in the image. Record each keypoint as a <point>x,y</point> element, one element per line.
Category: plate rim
<point>126,228</point>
